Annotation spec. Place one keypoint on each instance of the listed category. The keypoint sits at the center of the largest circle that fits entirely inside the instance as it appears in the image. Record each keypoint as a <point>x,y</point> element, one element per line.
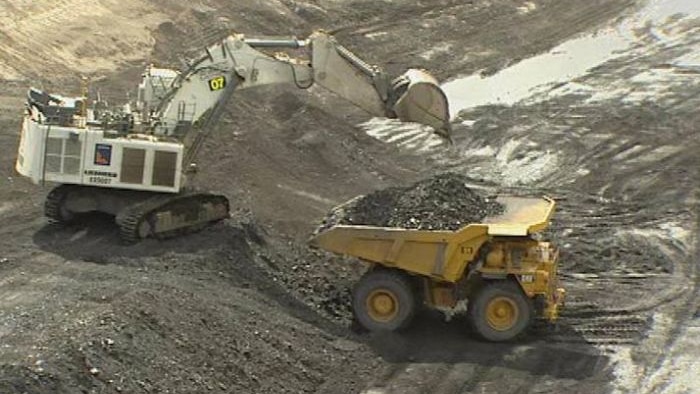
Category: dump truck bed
<point>442,255</point>
<point>521,216</point>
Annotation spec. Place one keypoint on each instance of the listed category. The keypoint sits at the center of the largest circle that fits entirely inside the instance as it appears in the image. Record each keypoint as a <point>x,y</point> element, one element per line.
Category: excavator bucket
<point>421,100</point>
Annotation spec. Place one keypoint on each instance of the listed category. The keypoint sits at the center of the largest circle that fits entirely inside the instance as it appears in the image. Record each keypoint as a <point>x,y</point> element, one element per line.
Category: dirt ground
<point>246,306</point>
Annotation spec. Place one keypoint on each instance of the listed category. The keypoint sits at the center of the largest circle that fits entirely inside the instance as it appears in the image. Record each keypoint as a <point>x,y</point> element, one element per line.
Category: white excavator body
<point>91,155</point>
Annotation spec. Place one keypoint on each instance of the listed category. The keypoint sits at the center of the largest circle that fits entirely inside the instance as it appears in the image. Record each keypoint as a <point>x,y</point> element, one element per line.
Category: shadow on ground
<point>432,340</point>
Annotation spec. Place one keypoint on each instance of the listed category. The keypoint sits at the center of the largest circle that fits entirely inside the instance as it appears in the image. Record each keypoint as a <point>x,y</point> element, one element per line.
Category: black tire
<point>384,300</point>
<point>500,311</point>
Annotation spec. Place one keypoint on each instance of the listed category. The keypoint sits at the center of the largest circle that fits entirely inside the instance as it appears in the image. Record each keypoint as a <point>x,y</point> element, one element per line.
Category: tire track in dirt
<point>672,370</point>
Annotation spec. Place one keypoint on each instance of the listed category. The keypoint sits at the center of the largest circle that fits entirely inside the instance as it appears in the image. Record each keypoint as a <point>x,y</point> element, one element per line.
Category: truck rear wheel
<point>500,311</point>
<point>384,300</point>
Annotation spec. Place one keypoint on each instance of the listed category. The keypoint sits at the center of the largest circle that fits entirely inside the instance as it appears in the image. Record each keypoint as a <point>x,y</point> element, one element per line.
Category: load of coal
<point>443,202</point>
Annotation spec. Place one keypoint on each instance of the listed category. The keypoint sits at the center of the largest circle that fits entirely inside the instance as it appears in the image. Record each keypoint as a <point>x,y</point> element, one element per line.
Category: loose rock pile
<point>443,202</point>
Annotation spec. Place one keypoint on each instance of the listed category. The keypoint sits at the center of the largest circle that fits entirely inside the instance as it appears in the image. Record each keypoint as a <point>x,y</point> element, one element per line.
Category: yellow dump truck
<point>507,277</point>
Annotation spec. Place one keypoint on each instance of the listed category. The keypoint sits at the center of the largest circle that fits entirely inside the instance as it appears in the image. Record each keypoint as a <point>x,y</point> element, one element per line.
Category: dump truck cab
<point>505,275</point>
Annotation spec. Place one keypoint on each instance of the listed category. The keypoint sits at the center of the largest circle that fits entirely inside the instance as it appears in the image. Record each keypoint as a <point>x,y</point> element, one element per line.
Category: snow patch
<point>527,8</point>
<point>375,34</point>
<point>406,135</point>
<point>436,50</point>
<point>486,150</point>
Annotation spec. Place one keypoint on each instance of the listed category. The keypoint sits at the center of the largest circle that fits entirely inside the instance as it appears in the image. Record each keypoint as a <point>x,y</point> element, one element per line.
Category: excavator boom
<point>414,96</point>
<point>238,62</point>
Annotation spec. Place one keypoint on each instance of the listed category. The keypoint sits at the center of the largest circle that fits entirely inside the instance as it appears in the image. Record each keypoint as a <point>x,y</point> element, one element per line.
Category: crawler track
<point>53,204</point>
<point>168,216</point>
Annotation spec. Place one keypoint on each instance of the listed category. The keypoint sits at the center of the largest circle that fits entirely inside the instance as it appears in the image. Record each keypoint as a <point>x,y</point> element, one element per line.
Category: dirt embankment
<point>209,314</point>
<point>52,39</point>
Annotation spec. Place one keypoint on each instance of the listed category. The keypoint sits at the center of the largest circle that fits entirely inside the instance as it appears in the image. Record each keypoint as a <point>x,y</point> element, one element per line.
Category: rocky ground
<point>246,306</point>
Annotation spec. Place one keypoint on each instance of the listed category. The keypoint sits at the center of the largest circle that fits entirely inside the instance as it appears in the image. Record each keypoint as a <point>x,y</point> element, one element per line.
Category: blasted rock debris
<point>443,202</point>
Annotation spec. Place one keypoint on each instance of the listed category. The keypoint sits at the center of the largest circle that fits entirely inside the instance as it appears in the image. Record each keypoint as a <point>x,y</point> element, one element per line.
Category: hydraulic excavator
<point>132,162</point>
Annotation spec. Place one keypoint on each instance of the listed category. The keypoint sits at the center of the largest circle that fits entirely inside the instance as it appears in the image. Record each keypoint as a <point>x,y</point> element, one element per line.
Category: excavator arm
<point>174,104</point>
<point>415,96</point>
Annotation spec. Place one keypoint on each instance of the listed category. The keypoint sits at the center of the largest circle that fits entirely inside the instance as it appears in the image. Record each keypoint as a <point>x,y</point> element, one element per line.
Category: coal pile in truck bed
<point>443,202</point>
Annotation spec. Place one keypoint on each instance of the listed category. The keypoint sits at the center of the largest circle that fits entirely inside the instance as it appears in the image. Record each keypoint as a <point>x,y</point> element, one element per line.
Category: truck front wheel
<point>500,311</point>
<point>384,300</point>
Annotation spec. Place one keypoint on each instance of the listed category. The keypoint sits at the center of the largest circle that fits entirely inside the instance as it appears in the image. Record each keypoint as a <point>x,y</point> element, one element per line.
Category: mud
<point>442,202</point>
<point>244,306</point>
